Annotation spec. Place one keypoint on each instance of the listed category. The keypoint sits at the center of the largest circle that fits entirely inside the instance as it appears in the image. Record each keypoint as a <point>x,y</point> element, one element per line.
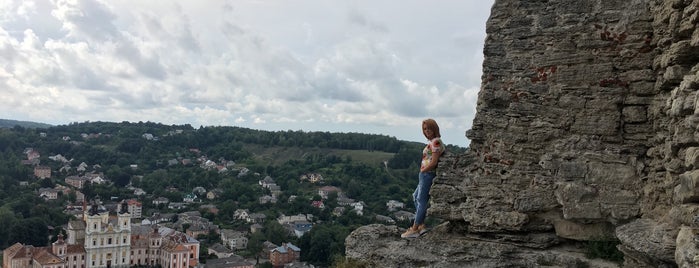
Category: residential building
<point>220,251</point>
<point>160,200</point>
<point>241,214</point>
<point>286,253</point>
<point>48,193</point>
<point>189,198</point>
<point>294,218</point>
<point>312,177</point>
<point>76,181</point>
<point>301,227</point>
<point>135,208</point>
<point>326,190</point>
<point>393,205</point>
<point>267,199</point>
<point>42,172</point>
<point>257,218</point>
<point>234,239</point>
<point>266,182</point>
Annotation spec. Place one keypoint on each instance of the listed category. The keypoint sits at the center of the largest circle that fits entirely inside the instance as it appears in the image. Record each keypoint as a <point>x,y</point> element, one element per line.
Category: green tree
<point>31,231</point>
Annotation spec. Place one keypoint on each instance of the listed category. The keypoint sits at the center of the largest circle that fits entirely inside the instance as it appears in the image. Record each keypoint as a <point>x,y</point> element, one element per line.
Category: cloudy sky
<point>364,66</point>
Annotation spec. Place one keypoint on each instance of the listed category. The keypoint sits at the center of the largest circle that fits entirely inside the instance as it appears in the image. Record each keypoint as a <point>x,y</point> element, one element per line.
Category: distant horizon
<point>195,127</point>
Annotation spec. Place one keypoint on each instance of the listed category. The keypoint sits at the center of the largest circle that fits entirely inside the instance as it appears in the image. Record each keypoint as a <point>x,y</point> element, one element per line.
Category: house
<point>138,191</point>
<point>294,218</point>
<point>326,190</point>
<point>276,190</point>
<point>393,205</point>
<point>220,251</point>
<point>312,177</point>
<point>211,208</point>
<point>256,228</point>
<point>160,200</point>
<point>81,167</point>
<point>176,205</point>
<point>318,204</point>
<point>266,182</point>
<point>344,201</point>
<point>75,181</point>
<point>242,214</point>
<point>213,194</point>
<point>338,211</point>
<point>267,199</point>
<point>234,239</point>
<point>42,172</point>
<point>48,193</point>
<point>257,218</point>
<point>196,230</point>
<point>199,190</point>
<point>286,253</point>
<point>158,218</point>
<point>97,178</point>
<point>189,198</point>
<point>301,227</point>
<point>358,207</point>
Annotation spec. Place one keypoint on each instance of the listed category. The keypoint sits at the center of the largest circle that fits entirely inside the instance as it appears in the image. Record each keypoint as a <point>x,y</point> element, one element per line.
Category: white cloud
<point>313,65</point>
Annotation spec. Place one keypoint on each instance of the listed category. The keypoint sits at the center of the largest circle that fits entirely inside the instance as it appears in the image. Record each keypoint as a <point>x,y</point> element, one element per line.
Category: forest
<point>367,167</point>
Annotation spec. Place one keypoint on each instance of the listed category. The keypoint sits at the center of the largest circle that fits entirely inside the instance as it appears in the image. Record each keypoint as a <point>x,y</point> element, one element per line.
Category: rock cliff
<point>587,129</point>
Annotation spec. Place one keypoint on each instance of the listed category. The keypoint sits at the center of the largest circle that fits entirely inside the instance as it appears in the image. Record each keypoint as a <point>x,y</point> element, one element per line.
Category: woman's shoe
<point>411,233</point>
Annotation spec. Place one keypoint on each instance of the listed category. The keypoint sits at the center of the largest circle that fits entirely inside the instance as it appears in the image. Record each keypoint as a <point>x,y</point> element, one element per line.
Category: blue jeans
<point>421,196</point>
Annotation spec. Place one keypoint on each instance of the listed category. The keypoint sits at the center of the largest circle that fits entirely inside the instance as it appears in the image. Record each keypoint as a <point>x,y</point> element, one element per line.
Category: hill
<point>8,123</point>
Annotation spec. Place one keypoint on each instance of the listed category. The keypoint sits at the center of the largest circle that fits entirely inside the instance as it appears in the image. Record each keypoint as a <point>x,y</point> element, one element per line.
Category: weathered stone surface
<point>585,232</point>
<point>587,119</point>
<point>687,251</point>
<point>688,189</point>
<point>653,239</point>
<point>443,247</point>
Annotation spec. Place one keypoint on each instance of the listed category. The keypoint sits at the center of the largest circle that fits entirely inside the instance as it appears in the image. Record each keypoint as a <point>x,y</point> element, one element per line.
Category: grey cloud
<point>149,66</point>
<point>356,18</point>
<point>87,79</point>
<point>93,20</point>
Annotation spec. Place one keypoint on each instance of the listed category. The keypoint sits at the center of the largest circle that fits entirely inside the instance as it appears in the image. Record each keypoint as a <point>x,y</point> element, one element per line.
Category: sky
<point>377,67</point>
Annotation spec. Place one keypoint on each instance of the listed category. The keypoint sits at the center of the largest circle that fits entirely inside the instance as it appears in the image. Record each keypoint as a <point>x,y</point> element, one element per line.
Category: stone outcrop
<point>586,129</point>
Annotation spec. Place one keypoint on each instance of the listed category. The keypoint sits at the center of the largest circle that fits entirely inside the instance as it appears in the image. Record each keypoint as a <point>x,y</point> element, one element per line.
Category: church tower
<point>107,238</point>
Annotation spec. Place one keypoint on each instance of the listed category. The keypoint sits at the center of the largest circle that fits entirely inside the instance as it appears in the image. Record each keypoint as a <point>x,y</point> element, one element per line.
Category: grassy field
<point>279,155</point>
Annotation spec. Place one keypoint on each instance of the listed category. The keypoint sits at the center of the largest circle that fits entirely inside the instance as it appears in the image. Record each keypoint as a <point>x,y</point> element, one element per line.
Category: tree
<point>32,231</point>
<point>7,221</point>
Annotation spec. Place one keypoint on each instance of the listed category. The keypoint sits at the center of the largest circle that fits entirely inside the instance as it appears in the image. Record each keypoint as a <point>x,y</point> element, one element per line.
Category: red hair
<point>432,125</point>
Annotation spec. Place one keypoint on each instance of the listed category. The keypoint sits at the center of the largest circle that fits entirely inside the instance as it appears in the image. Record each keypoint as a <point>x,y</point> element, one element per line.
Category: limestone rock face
<point>587,128</point>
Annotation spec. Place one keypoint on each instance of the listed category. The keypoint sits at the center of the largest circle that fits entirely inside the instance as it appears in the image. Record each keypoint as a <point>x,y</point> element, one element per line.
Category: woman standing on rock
<point>430,157</point>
